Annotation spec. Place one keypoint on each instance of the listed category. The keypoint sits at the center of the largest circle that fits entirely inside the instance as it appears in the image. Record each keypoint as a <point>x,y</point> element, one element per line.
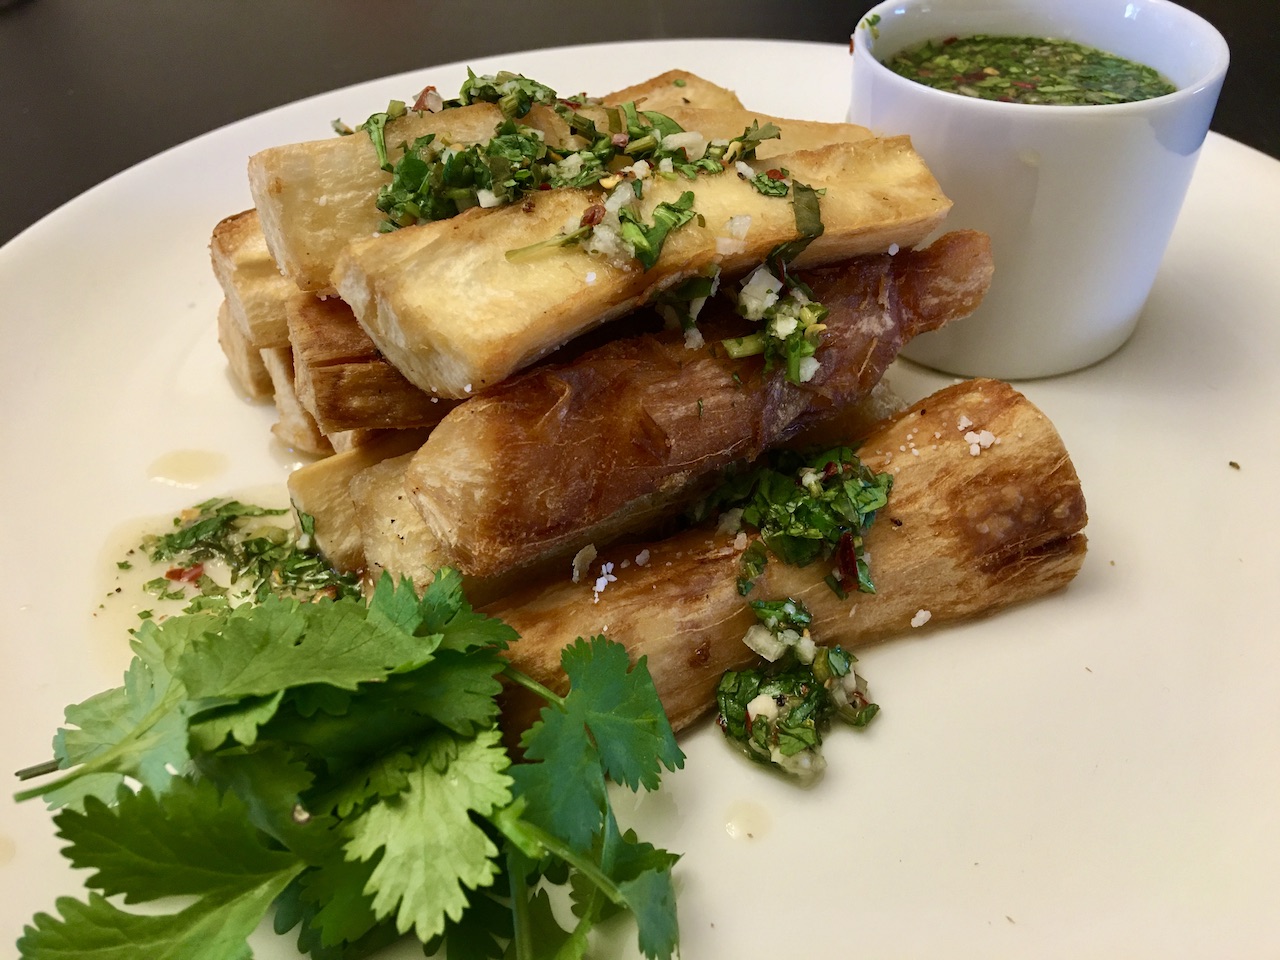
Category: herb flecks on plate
<point>777,713</point>
<point>342,760</point>
<point>259,556</point>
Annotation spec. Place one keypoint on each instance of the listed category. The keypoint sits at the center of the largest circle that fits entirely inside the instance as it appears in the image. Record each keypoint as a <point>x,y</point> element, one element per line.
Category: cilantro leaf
<point>293,909</point>
<point>280,644</point>
<point>445,610</point>
<point>481,934</point>
<point>618,704</point>
<point>430,848</point>
<point>238,721</point>
<point>340,908</point>
<point>194,842</point>
<point>611,723</point>
<point>135,730</point>
<point>212,928</point>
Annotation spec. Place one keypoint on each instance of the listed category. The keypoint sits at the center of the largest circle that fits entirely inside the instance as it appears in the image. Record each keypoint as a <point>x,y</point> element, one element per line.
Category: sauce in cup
<point>1028,70</point>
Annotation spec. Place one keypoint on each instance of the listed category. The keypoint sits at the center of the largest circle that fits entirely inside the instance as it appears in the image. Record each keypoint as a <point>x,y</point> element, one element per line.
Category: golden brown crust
<point>581,452</point>
<point>254,290</point>
<point>295,428</point>
<point>243,359</point>
<point>342,378</point>
<point>963,535</point>
<point>322,490</point>
<point>675,89</point>
<point>314,198</point>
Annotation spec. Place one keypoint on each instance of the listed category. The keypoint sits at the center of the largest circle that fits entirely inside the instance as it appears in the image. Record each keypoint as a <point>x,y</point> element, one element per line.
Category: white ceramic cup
<point>1079,201</point>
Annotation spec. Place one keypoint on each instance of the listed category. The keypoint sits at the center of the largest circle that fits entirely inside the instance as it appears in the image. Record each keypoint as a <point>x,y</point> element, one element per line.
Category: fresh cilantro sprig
<point>805,508</point>
<point>342,760</point>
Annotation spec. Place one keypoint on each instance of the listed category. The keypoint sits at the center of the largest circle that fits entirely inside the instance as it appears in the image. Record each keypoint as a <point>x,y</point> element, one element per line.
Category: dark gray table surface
<point>90,87</point>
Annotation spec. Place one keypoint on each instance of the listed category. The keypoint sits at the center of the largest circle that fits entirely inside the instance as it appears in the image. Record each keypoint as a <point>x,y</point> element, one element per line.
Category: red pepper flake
<point>847,557</point>
<point>185,574</point>
<point>544,186</point>
<point>594,214</point>
<point>775,175</point>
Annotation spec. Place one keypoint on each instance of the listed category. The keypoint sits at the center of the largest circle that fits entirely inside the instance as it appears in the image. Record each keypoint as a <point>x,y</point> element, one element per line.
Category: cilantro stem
<point>532,685</point>
<point>522,936</point>
<point>554,845</point>
<point>38,770</point>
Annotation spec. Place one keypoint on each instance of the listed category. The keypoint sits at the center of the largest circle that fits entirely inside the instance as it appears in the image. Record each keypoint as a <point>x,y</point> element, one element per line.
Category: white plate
<point>1096,774</point>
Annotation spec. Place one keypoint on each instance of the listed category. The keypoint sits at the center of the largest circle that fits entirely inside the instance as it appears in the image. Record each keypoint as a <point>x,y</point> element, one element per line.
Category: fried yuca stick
<point>608,443</point>
<point>446,305</point>
<point>963,535</point>
<point>316,197</point>
<point>342,379</point>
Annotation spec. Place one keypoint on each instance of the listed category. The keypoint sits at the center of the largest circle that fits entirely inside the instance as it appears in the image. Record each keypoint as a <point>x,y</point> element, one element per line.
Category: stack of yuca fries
<point>527,420</point>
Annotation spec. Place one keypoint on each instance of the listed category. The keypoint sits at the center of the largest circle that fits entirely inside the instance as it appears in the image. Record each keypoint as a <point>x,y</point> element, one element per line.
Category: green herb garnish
<point>261,557</point>
<point>513,93</point>
<point>778,713</point>
<point>647,239</point>
<point>680,305</point>
<point>376,127</point>
<point>792,322</point>
<point>342,761</point>
<point>805,508</point>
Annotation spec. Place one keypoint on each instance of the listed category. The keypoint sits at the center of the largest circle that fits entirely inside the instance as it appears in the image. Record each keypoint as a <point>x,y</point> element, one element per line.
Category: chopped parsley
<point>792,323</point>
<point>434,181</point>
<point>261,557</point>
<point>777,713</point>
<point>805,508</point>
<point>376,127</point>
<point>647,239</point>
<point>680,305</point>
<point>514,94</point>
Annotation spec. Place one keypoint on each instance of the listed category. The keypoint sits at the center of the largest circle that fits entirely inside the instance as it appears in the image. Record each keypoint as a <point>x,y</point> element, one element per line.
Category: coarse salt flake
<point>921,618</point>
<point>642,558</point>
<point>606,577</point>
<point>964,423</point>
<point>979,441</point>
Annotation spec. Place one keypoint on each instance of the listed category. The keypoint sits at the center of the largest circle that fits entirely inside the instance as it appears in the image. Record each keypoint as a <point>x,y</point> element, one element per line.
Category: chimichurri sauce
<point>1028,70</point>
